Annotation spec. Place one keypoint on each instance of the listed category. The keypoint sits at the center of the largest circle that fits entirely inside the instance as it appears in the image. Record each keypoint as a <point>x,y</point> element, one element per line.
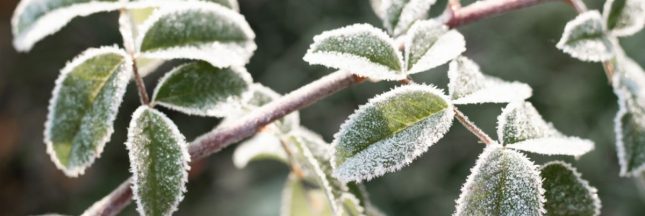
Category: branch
<point>216,140</point>
<point>483,9</point>
<point>128,42</point>
<point>463,119</point>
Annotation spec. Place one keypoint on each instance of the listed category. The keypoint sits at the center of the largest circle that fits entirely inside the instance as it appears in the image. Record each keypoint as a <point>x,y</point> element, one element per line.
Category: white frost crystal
<point>585,38</point>
<point>566,192</point>
<point>521,127</point>
<point>263,145</point>
<point>399,15</point>
<point>429,44</point>
<point>624,17</point>
<point>629,86</point>
<point>503,182</point>
<point>390,131</point>
<point>468,85</point>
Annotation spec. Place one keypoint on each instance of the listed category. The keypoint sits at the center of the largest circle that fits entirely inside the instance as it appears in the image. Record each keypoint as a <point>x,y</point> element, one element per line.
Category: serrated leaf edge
<point>591,189</point>
<point>185,156</point>
<point>223,109</point>
<point>372,70</point>
<point>69,67</point>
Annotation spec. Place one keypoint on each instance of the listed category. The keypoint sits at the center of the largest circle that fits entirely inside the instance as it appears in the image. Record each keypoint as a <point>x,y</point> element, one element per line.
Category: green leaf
<point>34,20</point>
<point>198,88</point>
<point>624,17</point>
<point>399,15</point>
<point>200,31</point>
<point>360,49</point>
<point>83,107</point>
<point>629,86</point>
<point>430,44</point>
<point>468,85</point>
<point>521,127</point>
<point>584,38</point>
<point>158,161</point>
<point>390,131</point>
<point>300,199</point>
<point>566,192</point>
<point>313,155</point>
<point>503,182</point>
<point>262,146</point>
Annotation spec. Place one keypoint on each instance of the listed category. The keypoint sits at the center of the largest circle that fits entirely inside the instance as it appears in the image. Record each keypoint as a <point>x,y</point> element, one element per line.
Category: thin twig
<point>578,5</point>
<point>463,119</point>
<point>220,138</point>
<point>127,38</point>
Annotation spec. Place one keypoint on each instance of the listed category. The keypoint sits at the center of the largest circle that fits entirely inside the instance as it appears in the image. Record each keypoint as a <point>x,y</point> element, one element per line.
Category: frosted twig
<point>129,46</point>
<point>463,119</point>
<point>216,140</point>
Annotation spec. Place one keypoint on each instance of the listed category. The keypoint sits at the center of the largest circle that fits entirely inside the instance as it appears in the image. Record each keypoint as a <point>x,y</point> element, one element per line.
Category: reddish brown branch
<point>483,9</point>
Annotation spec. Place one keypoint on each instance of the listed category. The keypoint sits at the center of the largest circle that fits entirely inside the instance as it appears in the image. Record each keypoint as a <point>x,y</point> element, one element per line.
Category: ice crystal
<point>566,192</point>
<point>624,17</point>
<point>429,44</point>
<point>584,38</point>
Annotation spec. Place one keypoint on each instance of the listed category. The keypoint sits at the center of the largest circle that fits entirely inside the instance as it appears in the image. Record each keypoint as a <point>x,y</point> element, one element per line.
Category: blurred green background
<point>519,45</point>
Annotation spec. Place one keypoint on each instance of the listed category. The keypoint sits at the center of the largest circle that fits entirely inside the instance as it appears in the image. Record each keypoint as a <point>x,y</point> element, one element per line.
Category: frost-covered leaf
<point>624,17</point>
<point>35,19</point>
<point>468,85</point>
<point>430,44</point>
<point>521,127</point>
<point>83,106</point>
<point>503,182</point>
<point>262,146</point>
<point>584,38</point>
<point>390,131</point>
<point>399,15</point>
<point>197,30</point>
<point>198,88</point>
<point>301,199</point>
<point>158,161</point>
<point>360,49</point>
<point>629,86</point>
<point>261,95</point>
<point>566,192</point>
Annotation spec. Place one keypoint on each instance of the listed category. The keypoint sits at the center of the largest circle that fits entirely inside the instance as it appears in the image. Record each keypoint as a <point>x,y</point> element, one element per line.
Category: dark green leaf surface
<point>503,182</point>
<point>566,192</point>
<point>624,17</point>
<point>198,88</point>
<point>83,106</point>
<point>390,131</point>
<point>159,162</point>
<point>35,19</point>
<point>198,30</point>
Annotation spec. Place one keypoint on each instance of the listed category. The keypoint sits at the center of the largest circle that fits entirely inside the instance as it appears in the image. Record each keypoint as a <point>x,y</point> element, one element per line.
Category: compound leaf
<point>198,88</point>
<point>200,31</point>
<point>399,15</point>
<point>468,85</point>
<point>503,182</point>
<point>430,44</point>
<point>629,86</point>
<point>360,49</point>
<point>521,127</point>
<point>624,17</point>
<point>83,107</point>
<point>159,162</point>
<point>566,192</point>
<point>584,38</point>
<point>33,20</point>
<point>390,131</point>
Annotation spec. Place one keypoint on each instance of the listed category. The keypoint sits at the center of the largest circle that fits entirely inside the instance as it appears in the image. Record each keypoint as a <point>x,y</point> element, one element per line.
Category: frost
<point>584,38</point>
<point>429,44</point>
<point>468,85</point>
<point>503,182</point>
<point>158,161</point>
<point>263,145</point>
<point>390,131</point>
<point>566,192</point>
<point>360,49</point>
<point>200,31</point>
<point>199,88</point>
<point>624,17</point>
<point>34,20</point>
<point>521,127</point>
<point>399,15</point>
<point>629,86</point>
<point>83,107</point>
